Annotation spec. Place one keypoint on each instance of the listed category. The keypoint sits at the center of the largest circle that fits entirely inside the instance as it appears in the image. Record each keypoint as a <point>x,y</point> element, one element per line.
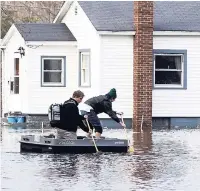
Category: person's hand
<point>119,113</point>
<point>123,124</point>
<point>90,131</point>
<point>89,134</point>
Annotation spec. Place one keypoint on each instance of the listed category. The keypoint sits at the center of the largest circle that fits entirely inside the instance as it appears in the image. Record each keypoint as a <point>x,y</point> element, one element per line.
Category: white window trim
<point>87,84</point>
<point>50,84</point>
<point>182,72</point>
<point>15,76</point>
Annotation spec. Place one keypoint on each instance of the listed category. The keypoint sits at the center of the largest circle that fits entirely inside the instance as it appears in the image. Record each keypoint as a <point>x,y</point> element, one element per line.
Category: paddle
<point>92,136</point>
<point>131,149</point>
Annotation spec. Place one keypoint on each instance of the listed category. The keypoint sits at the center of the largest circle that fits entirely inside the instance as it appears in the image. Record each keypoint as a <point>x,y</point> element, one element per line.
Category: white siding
<point>180,103</point>
<point>39,98</point>
<point>13,102</point>
<point>87,38</point>
<point>111,66</point>
<point>36,99</point>
<point>117,71</point>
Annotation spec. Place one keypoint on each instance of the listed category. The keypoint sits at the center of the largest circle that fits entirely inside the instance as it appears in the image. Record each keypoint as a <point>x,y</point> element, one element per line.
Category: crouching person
<point>70,119</point>
<point>100,104</point>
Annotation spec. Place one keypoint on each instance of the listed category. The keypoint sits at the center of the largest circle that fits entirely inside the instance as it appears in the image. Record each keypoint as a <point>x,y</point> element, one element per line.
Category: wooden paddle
<point>131,149</point>
<point>92,136</point>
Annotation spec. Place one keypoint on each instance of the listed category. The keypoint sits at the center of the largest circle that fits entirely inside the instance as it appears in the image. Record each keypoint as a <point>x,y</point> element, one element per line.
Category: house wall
<point>117,71</point>
<point>40,98</point>
<point>13,102</point>
<point>87,38</point>
<point>177,102</point>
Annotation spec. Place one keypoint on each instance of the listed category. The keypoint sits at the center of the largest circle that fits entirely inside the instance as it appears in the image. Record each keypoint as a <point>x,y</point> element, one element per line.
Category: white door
<point>14,98</point>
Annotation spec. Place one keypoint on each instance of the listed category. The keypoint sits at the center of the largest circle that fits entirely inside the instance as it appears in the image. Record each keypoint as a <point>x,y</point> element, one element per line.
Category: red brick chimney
<point>143,64</point>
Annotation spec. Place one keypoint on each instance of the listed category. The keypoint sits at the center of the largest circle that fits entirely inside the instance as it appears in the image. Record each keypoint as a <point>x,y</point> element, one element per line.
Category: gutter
<point>128,33</point>
<point>155,33</point>
<point>50,43</point>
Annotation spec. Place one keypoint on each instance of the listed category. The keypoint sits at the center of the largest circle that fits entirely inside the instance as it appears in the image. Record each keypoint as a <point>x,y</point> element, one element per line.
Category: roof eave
<point>63,11</point>
<point>116,32</point>
<point>8,35</point>
<point>155,33</point>
<point>51,43</point>
<point>176,33</point>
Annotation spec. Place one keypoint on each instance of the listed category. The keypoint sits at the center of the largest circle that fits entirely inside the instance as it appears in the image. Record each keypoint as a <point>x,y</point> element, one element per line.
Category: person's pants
<point>63,134</point>
<point>94,120</point>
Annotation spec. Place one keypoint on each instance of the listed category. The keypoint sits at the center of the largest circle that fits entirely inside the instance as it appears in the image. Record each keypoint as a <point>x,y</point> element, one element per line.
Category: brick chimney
<point>143,64</point>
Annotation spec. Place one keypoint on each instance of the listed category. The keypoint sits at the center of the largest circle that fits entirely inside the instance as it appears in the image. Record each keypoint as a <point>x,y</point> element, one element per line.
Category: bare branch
<point>28,11</point>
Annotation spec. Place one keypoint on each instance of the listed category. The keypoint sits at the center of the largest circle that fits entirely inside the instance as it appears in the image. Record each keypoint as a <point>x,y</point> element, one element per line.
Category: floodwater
<point>163,160</point>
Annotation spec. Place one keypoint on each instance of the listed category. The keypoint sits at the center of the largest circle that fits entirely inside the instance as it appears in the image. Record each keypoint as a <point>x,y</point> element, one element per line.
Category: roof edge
<point>50,43</point>
<point>116,32</point>
<point>63,11</point>
<point>8,35</point>
<point>155,33</point>
<point>176,33</point>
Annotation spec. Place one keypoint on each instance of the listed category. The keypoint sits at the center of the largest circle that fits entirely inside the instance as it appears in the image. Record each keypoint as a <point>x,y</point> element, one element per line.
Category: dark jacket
<point>70,118</point>
<point>102,104</point>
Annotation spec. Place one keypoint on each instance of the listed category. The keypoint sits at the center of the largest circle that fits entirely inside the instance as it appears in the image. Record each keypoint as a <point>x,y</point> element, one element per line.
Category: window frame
<point>82,52</point>
<point>15,90</point>
<point>167,52</point>
<point>63,72</point>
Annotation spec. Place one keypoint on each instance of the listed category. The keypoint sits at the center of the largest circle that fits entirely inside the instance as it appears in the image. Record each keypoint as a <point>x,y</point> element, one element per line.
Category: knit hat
<point>112,93</point>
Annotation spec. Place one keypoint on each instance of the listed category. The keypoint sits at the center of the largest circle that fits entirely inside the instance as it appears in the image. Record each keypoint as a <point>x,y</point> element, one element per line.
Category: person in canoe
<point>70,119</point>
<point>100,104</point>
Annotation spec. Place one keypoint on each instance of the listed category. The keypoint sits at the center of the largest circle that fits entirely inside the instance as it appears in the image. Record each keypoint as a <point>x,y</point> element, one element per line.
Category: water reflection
<point>1,134</point>
<point>143,169</point>
<point>62,166</point>
<point>142,141</point>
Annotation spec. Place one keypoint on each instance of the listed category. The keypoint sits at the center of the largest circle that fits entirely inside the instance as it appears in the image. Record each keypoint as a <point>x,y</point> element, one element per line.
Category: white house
<point>90,47</point>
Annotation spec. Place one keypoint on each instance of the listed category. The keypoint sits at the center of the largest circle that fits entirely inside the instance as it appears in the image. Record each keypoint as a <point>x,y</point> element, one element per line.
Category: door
<point>14,85</point>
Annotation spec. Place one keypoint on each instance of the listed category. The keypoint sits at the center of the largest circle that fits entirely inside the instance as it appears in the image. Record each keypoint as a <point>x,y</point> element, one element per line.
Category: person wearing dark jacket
<point>70,119</point>
<point>100,104</point>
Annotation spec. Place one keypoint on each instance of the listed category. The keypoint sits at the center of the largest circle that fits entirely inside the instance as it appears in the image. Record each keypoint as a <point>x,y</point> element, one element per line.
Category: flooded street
<point>165,160</point>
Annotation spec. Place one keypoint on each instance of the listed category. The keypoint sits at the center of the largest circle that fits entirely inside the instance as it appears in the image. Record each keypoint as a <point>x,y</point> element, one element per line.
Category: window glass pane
<point>85,61</point>
<point>16,85</point>
<point>85,76</point>
<point>85,68</point>
<point>54,77</point>
<point>167,77</point>
<point>52,64</point>
<point>11,86</point>
<point>16,66</point>
<point>168,62</point>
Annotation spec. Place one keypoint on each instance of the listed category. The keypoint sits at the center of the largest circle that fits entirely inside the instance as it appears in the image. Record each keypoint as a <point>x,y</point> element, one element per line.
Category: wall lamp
<point>21,51</point>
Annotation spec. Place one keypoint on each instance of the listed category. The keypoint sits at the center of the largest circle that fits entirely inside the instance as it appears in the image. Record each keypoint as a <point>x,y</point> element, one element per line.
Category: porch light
<point>21,51</point>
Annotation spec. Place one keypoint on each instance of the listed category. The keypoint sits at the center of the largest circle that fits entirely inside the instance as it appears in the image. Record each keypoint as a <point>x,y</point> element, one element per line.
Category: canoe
<point>48,144</point>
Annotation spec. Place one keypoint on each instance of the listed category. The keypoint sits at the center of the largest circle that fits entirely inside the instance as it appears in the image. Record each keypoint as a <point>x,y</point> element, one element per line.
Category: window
<point>53,71</point>
<point>14,85</point>
<point>84,68</point>
<point>170,69</point>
